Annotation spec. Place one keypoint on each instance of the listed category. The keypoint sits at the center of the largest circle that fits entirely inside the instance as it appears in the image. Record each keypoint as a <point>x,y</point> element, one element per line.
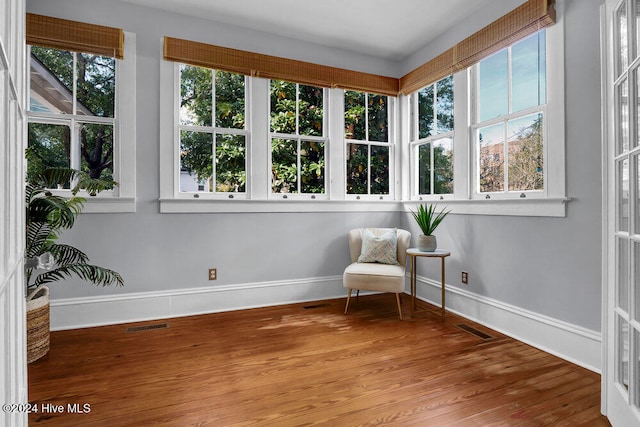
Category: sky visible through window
<point>528,78</point>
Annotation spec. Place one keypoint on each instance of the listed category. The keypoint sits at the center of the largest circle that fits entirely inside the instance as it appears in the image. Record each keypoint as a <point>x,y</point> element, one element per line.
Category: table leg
<point>413,284</point>
<point>442,288</point>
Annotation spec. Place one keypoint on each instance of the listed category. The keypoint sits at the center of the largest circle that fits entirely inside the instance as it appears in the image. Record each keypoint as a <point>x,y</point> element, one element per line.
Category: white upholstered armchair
<point>378,260</point>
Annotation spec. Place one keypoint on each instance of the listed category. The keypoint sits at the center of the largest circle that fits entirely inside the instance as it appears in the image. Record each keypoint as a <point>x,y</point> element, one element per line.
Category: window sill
<point>279,205</point>
<point>109,205</point>
<point>547,207</point>
<point>543,207</point>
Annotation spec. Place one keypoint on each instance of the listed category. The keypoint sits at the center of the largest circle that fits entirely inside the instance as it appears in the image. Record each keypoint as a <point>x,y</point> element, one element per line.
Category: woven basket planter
<point>37,323</point>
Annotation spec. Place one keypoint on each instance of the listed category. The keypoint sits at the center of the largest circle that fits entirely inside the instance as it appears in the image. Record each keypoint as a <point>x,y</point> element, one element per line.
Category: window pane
<point>310,108</point>
<point>229,100</point>
<point>491,158</point>
<point>283,107</point>
<point>528,63</point>
<point>231,174</point>
<point>51,80</point>
<point>96,147</point>
<point>526,151</point>
<point>444,104</point>
<point>357,168</point>
<point>494,89</point>
<point>312,167</point>
<point>284,169</point>
<point>378,124</point>
<point>623,280</point>
<point>622,352</point>
<point>379,170</point>
<point>622,176</point>
<point>424,168</point>
<point>354,115</point>
<point>96,87</point>
<point>622,122</point>
<point>196,161</point>
<point>443,166</point>
<point>196,102</point>
<point>48,148</point>
<point>622,50</point>
<point>637,202</point>
<point>636,73</point>
<point>425,112</point>
<point>636,282</point>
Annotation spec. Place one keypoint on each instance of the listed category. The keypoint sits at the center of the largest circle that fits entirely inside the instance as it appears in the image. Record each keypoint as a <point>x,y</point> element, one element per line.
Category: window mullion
<point>368,168</point>
<point>298,164</point>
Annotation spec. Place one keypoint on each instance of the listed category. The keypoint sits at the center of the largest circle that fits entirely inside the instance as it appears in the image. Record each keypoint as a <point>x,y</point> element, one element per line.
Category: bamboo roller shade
<point>273,67</point>
<point>74,36</point>
<point>524,20</point>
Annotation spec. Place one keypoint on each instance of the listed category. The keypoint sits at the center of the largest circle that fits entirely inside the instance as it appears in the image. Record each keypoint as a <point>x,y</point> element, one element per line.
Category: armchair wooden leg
<point>346,307</point>
<point>399,307</point>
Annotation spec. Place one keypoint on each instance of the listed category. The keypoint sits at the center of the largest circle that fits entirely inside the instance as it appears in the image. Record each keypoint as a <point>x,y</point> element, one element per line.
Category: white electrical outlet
<point>213,273</point>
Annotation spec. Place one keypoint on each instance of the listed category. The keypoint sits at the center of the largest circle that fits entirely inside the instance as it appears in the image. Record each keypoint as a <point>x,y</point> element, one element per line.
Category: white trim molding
<point>73,313</point>
<point>570,342</point>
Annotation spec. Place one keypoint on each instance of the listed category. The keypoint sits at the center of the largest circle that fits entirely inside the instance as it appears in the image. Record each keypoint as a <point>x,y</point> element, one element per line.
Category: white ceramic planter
<point>427,243</point>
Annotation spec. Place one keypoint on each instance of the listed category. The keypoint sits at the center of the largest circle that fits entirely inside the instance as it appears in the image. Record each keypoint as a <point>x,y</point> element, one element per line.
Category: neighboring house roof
<point>49,94</point>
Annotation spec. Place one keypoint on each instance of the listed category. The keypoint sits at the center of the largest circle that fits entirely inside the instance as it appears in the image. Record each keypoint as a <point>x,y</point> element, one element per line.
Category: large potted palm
<point>46,260</point>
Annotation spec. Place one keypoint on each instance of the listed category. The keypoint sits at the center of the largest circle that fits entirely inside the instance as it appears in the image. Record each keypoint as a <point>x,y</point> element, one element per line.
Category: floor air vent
<point>310,307</point>
<point>147,327</point>
<point>475,332</point>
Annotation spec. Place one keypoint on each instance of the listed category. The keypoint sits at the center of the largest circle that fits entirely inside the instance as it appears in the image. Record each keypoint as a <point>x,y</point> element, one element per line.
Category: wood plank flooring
<point>308,364</point>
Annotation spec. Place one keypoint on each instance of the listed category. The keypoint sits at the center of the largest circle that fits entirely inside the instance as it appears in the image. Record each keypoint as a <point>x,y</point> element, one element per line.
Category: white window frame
<point>505,119</point>
<point>123,197</point>
<point>213,130</point>
<point>416,142</point>
<point>299,138</point>
<point>391,143</point>
<point>552,201</point>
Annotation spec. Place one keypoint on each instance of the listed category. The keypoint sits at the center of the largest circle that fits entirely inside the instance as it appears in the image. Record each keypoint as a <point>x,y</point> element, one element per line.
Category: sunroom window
<point>298,142</point>
<point>432,138</point>
<point>368,145</point>
<point>212,128</point>
<point>509,131</point>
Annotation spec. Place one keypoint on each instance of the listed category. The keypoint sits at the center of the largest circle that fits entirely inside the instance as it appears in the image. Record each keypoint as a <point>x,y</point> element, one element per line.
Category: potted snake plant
<point>428,220</point>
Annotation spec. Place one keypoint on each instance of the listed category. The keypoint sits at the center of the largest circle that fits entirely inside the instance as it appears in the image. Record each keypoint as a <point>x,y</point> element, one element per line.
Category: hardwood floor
<point>307,364</point>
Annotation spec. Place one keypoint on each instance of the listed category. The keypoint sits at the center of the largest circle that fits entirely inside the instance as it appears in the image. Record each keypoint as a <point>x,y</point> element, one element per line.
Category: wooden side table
<point>413,254</point>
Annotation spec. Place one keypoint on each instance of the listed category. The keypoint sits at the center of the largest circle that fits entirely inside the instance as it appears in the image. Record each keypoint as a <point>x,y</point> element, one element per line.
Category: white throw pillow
<point>382,249</point>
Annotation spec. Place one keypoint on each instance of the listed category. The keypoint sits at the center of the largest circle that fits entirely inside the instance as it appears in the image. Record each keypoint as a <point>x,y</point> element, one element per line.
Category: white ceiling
<point>389,29</point>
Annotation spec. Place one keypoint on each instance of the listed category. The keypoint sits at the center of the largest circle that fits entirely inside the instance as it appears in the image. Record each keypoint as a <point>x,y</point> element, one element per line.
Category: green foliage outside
<point>196,109</point>
<point>50,144</point>
<point>367,165</point>
<point>435,116</point>
<point>297,110</point>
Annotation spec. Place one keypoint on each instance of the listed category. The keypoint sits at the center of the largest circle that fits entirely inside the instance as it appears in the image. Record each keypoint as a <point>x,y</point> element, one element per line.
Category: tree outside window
<point>71,112</point>
<point>510,113</point>
<point>212,131</point>
<point>433,148</point>
<point>367,135</point>
<point>297,138</point>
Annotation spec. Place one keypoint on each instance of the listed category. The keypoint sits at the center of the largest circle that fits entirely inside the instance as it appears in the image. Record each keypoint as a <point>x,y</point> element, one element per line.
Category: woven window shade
<point>273,67</point>
<point>74,36</point>
<point>521,22</point>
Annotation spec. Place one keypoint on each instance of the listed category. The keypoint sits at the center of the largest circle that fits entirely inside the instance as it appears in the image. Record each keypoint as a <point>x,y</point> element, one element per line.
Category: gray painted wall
<point>547,265</point>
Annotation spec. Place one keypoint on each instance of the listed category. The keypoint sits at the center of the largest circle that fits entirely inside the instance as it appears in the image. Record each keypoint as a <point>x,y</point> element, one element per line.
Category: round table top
<point>437,253</point>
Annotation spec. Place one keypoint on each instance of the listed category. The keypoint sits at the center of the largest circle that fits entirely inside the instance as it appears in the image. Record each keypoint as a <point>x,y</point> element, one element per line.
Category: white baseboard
<point>570,342</point>
<point>73,313</point>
